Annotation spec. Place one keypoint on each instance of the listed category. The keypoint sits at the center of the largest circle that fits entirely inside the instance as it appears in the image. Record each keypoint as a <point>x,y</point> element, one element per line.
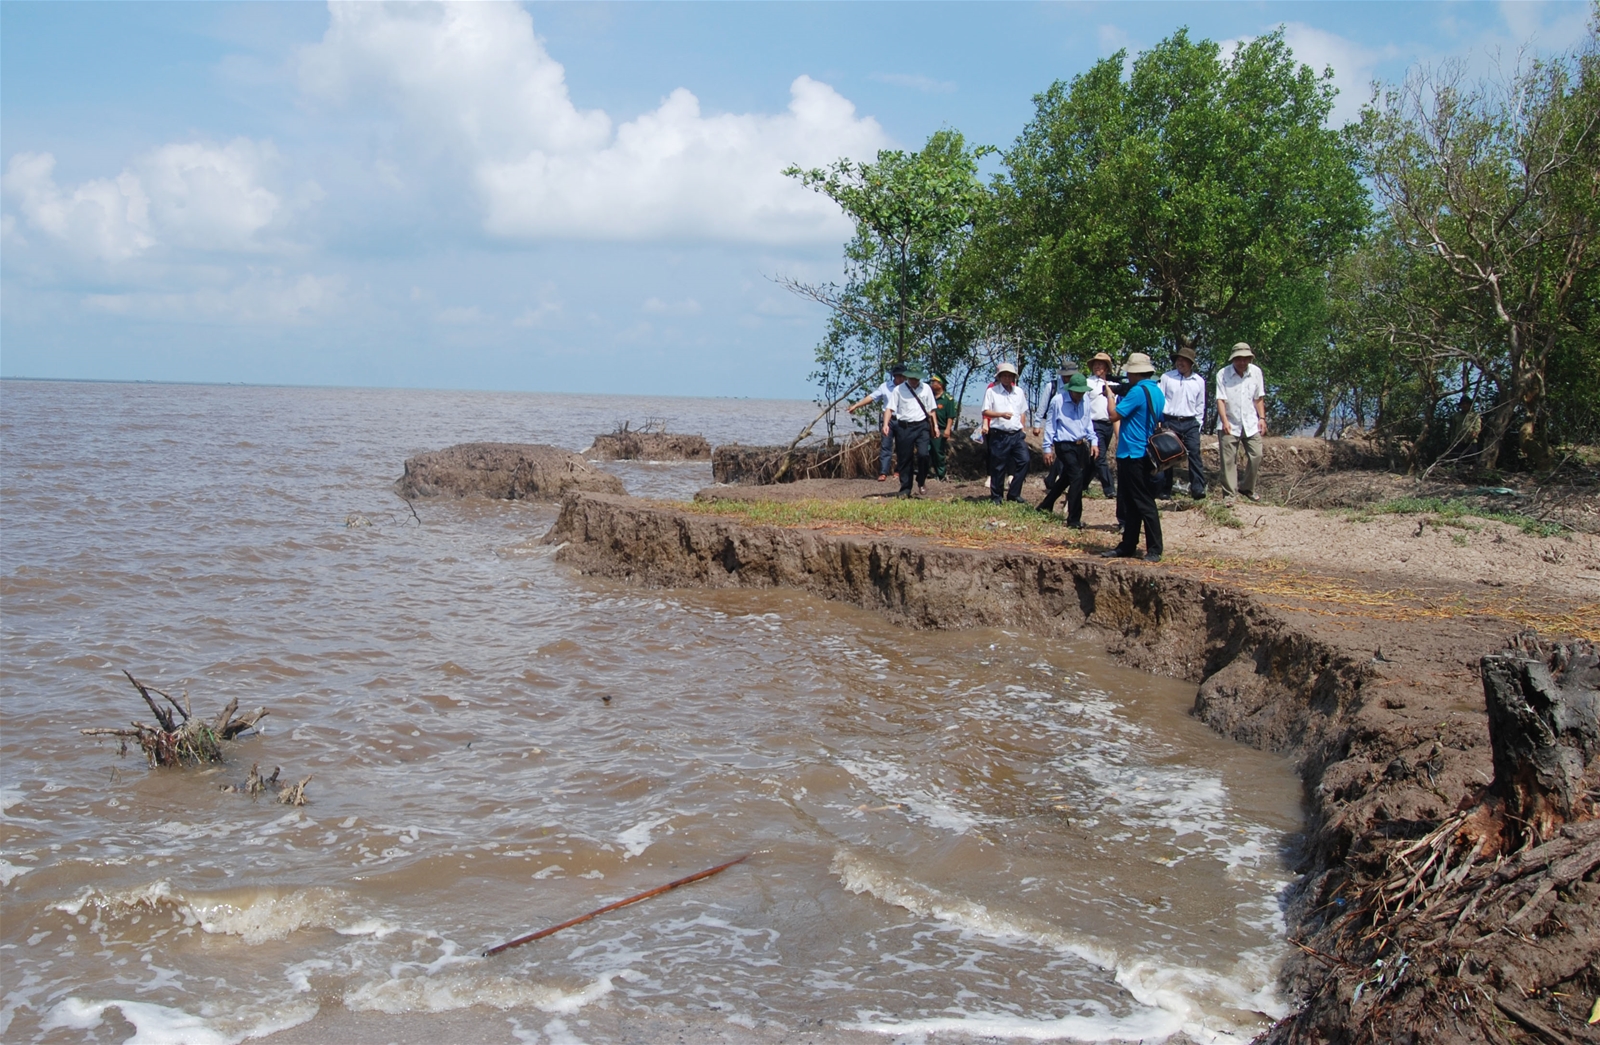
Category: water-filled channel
<point>956,835</point>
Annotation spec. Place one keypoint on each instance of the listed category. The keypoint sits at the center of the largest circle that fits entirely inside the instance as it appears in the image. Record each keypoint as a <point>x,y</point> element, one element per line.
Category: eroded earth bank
<point>1402,930</point>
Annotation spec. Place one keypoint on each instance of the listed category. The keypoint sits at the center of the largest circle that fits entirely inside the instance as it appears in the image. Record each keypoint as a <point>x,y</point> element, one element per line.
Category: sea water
<point>956,835</point>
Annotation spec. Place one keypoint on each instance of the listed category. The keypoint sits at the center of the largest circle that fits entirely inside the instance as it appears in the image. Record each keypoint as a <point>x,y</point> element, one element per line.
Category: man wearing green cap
<point>908,416</point>
<point>1069,437</point>
<point>944,423</point>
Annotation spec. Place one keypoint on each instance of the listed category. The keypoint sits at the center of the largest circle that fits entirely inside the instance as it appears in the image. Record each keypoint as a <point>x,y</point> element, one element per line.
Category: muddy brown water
<point>957,835</point>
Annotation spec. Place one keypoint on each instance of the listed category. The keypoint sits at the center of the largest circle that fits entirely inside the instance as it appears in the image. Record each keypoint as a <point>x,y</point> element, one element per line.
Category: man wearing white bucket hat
<point>1241,420</point>
<point>1005,408</point>
<point>1139,409</point>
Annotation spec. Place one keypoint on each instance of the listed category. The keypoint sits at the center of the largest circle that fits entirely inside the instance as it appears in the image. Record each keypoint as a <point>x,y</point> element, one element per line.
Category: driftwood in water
<point>254,784</point>
<point>647,894</point>
<point>180,738</point>
<point>649,442</point>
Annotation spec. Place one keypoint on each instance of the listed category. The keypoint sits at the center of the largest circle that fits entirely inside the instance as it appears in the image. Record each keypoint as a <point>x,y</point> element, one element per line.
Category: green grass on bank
<point>1445,512</point>
<point>976,522</point>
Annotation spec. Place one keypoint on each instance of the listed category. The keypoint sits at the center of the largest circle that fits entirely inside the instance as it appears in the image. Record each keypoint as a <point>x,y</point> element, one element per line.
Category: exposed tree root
<point>181,739</point>
<point>1486,928</point>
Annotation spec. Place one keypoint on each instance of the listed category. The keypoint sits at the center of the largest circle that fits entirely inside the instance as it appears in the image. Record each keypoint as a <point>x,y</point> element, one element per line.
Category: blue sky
<point>551,197</point>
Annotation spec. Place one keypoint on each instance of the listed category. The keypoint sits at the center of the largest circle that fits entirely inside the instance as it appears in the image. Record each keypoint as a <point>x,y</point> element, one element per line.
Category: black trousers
<point>1187,429</point>
<point>911,444</point>
<point>885,452</point>
<point>1072,475</point>
<point>1136,505</point>
<point>1008,455</point>
<point>1104,464</point>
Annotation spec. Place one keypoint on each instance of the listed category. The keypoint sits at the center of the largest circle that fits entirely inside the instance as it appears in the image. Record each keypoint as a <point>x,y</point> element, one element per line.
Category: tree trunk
<point>1544,732</point>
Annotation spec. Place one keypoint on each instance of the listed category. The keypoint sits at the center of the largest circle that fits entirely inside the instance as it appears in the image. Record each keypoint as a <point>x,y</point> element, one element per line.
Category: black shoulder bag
<point>1164,448</point>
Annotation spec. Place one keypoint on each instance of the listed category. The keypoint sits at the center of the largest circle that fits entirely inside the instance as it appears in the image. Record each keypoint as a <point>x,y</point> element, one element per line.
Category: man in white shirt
<point>1185,414</point>
<point>1101,397</point>
<point>908,418</point>
<point>1005,409</point>
<point>880,395</point>
<point>1241,420</point>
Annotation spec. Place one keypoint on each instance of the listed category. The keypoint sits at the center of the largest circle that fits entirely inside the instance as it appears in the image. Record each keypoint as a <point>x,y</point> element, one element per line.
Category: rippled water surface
<point>957,835</point>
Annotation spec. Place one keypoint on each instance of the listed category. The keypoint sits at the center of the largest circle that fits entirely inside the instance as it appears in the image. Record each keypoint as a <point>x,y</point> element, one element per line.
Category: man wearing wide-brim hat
<point>1005,409</point>
<point>908,417</point>
<point>1100,399</point>
<point>1139,409</point>
<point>1185,413</point>
<point>1241,420</point>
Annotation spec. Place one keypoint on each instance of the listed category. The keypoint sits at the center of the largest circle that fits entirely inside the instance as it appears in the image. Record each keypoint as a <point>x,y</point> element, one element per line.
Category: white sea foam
<point>9,796</point>
<point>636,839</point>
<point>1148,1026</point>
<point>9,871</point>
<point>254,915</point>
<point>462,988</point>
<point>894,783</point>
<point>1174,998</point>
<point>163,1025</point>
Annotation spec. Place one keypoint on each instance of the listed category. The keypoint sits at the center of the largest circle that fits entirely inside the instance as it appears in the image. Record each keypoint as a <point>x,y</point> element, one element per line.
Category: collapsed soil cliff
<point>630,445</point>
<point>1387,728</point>
<point>506,471</point>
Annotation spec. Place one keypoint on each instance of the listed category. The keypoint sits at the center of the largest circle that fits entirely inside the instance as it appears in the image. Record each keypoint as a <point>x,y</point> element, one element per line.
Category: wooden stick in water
<point>657,891</point>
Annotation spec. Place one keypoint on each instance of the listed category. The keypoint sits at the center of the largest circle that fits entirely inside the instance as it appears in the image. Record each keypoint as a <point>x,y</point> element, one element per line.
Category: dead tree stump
<point>1544,732</point>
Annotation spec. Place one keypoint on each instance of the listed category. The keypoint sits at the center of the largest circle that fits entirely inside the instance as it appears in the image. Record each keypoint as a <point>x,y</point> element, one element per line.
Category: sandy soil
<point>1476,564</point>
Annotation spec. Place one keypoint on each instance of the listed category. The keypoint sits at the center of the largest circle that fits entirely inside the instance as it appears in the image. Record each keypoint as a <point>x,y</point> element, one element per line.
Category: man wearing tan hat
<point>1005,409</point>
<point>1241,420</point>
<point>1139,409</point>
<point>1185,414</point>
<point>1100,399</point>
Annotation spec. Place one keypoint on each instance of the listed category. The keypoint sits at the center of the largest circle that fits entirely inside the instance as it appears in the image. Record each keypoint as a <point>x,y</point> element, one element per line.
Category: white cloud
<point>261,297</point>
<point>476,85</point>
<point>1547,26</point>
<point>185,195</point>
<point>1112,38</point>
<point>917,82</point>
<point>658,307</point>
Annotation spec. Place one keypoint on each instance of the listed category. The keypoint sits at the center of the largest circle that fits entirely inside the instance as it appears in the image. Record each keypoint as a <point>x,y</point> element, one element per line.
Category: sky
<point>543,197</point>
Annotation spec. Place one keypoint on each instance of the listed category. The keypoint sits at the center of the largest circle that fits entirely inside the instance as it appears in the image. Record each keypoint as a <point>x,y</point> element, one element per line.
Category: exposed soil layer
<point>648,446</point>
<point>505,471</point>
<point>1385,720</point>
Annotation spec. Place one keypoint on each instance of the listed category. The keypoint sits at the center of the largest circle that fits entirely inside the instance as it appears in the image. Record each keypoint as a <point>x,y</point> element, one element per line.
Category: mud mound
<point>507,471</point>
<point>855,459</point>
<point>648,446</point>
<point>758,465</point>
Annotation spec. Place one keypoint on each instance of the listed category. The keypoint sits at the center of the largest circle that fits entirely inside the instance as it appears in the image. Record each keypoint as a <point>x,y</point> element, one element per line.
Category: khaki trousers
<point>1230,445</point>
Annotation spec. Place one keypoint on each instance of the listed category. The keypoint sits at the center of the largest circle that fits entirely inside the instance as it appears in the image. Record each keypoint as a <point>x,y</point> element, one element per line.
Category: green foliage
<point>1491,188</point>
<point>1195,202</point>
<point>1448,512</point>
<point>913,213</point>
<point>1221,513</point>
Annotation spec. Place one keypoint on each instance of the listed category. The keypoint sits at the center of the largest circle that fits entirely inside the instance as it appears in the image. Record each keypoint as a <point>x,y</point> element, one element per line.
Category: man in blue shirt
<point>897,375</point>
<point>1139,410</point>
<point>1070,442</point>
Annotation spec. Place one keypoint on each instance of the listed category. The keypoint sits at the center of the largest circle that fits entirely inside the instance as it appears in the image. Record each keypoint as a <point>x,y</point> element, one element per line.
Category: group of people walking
<point>1092,428</point>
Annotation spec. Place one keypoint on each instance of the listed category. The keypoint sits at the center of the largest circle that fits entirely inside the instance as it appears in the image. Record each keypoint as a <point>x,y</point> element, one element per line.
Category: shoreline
<point>1348,697</point>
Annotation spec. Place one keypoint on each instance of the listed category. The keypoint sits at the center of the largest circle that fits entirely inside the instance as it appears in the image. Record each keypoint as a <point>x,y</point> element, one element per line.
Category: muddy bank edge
<point>1262,680</point>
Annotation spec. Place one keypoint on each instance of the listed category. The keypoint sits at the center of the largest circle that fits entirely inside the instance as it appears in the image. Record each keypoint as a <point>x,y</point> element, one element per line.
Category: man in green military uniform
<point>944,417</point>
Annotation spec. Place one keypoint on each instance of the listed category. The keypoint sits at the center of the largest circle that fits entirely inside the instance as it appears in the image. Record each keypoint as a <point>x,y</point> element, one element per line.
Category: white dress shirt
<point>998,400</point>
<point>882,393</point>
<point>1099,404</point>
<point>1186,396</point>
<point>907,405</point>
<point>1238,394</point>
